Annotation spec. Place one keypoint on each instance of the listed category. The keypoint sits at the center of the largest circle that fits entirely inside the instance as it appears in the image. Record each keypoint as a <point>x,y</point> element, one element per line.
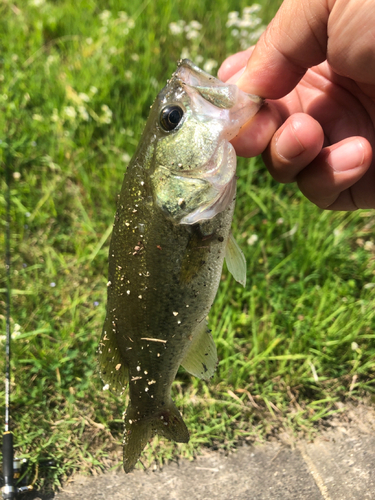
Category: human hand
<point>315,64</point>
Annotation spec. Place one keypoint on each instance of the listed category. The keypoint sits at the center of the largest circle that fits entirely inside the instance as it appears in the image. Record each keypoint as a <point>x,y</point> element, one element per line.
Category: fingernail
<point>345,157</point>
<point>287,144</point>
<point>235,78</point>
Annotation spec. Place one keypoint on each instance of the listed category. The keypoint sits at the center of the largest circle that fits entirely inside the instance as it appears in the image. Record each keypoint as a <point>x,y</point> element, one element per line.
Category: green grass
<point>292,345</point>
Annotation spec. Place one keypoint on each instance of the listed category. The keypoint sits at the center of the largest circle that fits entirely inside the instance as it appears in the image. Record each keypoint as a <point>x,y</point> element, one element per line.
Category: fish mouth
<point>234,105</point>
<point>219,93</point>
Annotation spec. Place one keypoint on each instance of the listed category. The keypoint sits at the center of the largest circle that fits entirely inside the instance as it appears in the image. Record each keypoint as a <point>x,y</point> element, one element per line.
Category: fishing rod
<point>11,465</point>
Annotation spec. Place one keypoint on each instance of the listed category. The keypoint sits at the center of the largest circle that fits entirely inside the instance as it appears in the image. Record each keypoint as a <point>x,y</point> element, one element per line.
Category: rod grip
<point>8,490</point>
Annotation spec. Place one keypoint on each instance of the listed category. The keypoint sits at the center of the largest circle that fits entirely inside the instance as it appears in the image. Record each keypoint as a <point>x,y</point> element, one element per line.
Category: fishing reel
<point>14,471</point>
<point>20,480</point>
<point>16,480</point>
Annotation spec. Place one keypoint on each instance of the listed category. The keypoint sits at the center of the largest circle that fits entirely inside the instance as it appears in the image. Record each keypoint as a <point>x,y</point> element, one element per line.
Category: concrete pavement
<point>338,465</point>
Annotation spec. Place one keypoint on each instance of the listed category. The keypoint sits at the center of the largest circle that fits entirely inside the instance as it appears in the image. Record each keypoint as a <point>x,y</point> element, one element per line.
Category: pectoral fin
<point>112,370</point>
<point>201,358</point>
<point>236,261</point>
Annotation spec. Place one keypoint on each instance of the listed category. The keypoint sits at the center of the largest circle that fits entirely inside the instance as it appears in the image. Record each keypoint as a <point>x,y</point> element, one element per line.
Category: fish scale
<point>170,236</point>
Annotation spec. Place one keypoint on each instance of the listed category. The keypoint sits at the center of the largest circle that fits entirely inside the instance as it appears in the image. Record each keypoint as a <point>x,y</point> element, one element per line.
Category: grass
<point>77,80</point>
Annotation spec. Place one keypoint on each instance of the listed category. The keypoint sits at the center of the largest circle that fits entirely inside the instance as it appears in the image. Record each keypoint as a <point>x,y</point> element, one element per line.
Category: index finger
<point>294,41</point>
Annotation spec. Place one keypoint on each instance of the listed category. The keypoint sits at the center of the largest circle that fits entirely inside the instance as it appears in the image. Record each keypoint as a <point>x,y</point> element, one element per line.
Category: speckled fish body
<point>167,249</point>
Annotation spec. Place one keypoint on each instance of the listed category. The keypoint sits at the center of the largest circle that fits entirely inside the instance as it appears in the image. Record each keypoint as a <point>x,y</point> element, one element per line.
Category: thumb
<point>294,41</point>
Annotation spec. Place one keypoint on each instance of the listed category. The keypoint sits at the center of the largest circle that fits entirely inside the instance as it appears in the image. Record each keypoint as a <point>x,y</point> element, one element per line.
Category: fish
<point>171,233</point>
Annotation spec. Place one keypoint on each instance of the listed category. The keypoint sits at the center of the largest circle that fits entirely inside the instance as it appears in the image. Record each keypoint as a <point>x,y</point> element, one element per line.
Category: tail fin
<point>138,431</point>
<point>137,434</point>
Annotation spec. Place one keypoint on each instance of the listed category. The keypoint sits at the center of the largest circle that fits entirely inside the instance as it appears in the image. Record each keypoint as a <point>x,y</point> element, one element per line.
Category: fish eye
<point>170,117</point>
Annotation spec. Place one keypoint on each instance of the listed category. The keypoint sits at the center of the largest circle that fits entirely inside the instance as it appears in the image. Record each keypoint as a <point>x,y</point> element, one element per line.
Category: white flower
<point>70,112</point>
<point>253,239</point>
<point>131,23</point>
<point>89,41</point>
<point>248,22</point>
<point>369,245</point>
<point>128,74</point>
<point>107,114</point>
<point>16,332</point>
<point>252,9</point>
<point>135,57</point>
<point>192,34</point>
<point>175,28</point>
<point>83,113</point>
<point>125,158</point>
<point>232,19</point>
<point>354,346</point>
<point>37,117</point>
<point>104,16</point>
<point>16,176</point>
<point>195,25</point>
<point>93,90</point>
<point>209,65</point>
<point>84,97</point>
<point>231,22</point>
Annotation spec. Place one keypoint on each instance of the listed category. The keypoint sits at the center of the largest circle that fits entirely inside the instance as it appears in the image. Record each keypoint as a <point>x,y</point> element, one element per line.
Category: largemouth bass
<point>170,236</point>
